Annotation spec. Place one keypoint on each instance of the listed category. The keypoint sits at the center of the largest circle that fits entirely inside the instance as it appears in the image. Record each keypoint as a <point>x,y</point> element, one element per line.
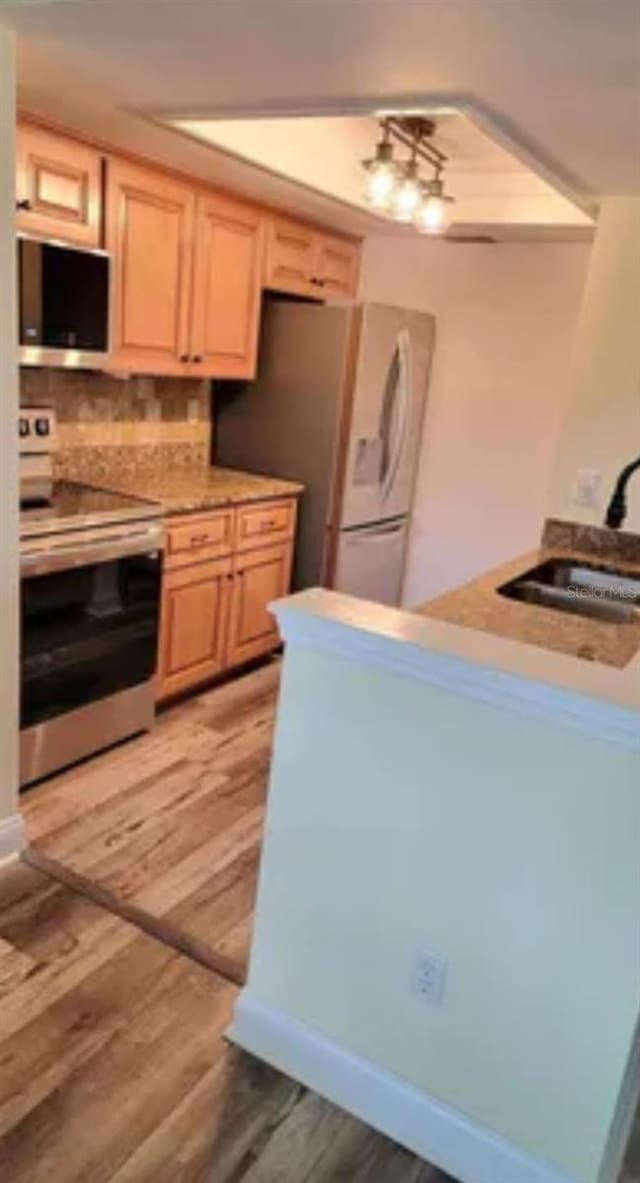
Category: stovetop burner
<point>74,506</point>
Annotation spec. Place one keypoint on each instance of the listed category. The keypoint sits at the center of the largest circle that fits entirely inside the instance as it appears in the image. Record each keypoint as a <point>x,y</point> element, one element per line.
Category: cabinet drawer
<point>262,524</point>
<point>204,536</point>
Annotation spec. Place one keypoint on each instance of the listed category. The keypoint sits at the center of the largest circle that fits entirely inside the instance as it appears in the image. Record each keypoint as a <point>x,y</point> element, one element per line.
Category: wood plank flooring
<point>166,829</point>
<point>113,1066</point>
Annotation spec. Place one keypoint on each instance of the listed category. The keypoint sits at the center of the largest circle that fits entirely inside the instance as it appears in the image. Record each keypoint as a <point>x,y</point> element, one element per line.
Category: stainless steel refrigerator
<point>338,404</point>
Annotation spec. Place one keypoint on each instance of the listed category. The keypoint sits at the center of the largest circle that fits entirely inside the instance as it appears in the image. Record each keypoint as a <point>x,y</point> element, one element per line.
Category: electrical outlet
<point>428,977</point>
<point>586,490</point>
<point>193,409</point>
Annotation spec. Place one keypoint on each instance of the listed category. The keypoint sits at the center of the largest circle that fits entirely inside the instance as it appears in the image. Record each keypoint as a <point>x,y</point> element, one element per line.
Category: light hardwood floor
<point>113,1066</point>
<point>166,829</point>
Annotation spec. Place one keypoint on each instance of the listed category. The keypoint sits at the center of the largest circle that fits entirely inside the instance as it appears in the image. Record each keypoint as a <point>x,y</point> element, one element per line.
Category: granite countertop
<point>545,662</point>
<point>81,507</point>
<point>192,490</point>
<point>477,605</point>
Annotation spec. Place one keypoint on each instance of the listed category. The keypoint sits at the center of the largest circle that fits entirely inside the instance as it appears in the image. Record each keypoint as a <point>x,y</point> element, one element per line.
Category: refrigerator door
<point>389,397</point>
<point>370,561</point>
<point>287,422</point>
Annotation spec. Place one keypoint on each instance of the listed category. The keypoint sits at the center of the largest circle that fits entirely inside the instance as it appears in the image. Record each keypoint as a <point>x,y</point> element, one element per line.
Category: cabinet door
<point>193,625</point>
<point>58,187</point>
<point>226,289</point>
<point>149,232</point>
<point>337,266</point>
<point>259,577</point>
<point>290,258</point>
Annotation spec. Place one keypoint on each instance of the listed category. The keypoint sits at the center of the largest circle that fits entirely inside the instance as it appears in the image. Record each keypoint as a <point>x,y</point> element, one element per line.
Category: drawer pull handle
<point>269,525</point>
<point>197,539</point>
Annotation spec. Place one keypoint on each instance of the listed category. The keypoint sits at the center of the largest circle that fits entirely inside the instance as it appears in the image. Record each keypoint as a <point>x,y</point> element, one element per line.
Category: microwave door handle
<point>402,388</point>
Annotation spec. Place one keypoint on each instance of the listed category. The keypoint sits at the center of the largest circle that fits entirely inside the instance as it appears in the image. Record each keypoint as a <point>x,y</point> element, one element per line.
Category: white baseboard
<point>12,837</point>
<point>441,1135</point>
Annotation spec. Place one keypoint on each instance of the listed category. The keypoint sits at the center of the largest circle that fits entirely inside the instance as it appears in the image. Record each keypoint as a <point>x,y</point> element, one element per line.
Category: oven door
<point>89,622</point>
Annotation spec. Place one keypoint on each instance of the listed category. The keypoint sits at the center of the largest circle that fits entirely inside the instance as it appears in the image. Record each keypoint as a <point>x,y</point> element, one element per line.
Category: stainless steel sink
<point>584,589</point>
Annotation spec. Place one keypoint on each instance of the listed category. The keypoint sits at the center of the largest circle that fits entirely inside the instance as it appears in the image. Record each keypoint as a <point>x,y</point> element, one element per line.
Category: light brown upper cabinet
<point>305,262</point>
<point>226,288</point>
<point>186,289</point>
<point>149,231</point>
<point>290,257</point>
<point>337,262</point>
<point>58,187</point>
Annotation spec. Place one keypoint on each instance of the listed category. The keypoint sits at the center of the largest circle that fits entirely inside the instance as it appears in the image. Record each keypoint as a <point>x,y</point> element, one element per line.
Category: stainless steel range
<point>90,565</point>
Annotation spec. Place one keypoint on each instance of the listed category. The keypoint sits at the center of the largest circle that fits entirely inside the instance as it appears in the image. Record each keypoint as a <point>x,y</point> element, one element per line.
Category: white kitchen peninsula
<point>439,790</point>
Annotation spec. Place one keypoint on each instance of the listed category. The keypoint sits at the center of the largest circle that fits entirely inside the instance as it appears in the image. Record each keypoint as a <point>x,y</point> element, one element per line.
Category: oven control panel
<point>36,430</point>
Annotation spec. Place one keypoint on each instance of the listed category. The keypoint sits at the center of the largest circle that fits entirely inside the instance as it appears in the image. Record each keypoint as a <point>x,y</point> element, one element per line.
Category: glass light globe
<point>380,184</point>
<point>433,215</point>
<point>407,195</point>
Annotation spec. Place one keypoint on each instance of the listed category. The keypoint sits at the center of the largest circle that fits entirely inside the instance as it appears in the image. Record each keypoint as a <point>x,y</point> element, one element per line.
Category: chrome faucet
<point>617,507</point>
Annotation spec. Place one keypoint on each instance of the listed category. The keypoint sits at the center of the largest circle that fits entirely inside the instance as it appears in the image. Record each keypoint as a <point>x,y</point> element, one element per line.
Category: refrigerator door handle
<point>370,534</point>
<point>389,397</point>
<point>396,410</point>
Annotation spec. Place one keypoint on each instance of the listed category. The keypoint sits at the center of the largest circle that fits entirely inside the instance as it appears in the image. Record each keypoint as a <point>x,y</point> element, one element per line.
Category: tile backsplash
<point>109,426</point>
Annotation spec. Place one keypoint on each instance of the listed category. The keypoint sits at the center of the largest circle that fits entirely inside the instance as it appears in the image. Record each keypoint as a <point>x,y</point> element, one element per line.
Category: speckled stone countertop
<point>192,490</point>
<point>478,605</point>
<point>81,507</point>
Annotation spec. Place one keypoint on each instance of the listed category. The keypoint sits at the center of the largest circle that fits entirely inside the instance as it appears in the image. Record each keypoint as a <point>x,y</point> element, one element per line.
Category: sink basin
<point>584,589</point>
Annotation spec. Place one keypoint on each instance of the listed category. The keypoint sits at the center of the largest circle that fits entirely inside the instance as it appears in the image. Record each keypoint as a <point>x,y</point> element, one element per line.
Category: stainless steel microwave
<point>63,304</point>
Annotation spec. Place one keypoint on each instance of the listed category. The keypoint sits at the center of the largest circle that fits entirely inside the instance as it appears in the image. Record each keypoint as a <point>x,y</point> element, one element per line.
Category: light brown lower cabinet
<point>214,613</point>
<point>193,625</point>
<point>260,576</point>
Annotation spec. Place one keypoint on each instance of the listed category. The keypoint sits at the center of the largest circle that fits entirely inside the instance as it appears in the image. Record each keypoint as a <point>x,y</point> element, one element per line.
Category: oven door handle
<point>84,554</point>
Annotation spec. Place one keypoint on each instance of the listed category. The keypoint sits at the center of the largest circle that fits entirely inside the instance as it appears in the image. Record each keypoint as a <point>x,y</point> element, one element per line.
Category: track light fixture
<point>396,187</point>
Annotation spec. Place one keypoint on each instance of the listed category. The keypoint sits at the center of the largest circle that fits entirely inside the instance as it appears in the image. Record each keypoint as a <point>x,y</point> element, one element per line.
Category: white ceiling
<point>554,81</point>
<point>491,187</point>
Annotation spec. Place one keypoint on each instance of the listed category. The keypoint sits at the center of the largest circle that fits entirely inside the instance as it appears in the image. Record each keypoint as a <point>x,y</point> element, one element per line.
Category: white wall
<point>8,451</point>
<point>506,317</point>
<point>405,817</point>
<point>602,428</point>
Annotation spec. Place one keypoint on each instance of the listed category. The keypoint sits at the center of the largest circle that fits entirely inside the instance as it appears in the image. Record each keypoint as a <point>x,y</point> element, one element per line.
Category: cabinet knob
<point>23,204</point>
<point>184,357</point>
<point>197,358</point>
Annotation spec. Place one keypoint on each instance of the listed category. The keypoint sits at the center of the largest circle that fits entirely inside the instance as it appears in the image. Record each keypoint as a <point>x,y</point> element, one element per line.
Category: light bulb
<point>407,194</point>
<point>382,173</point>
<point>380,184</point>
<point>434,213</point>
